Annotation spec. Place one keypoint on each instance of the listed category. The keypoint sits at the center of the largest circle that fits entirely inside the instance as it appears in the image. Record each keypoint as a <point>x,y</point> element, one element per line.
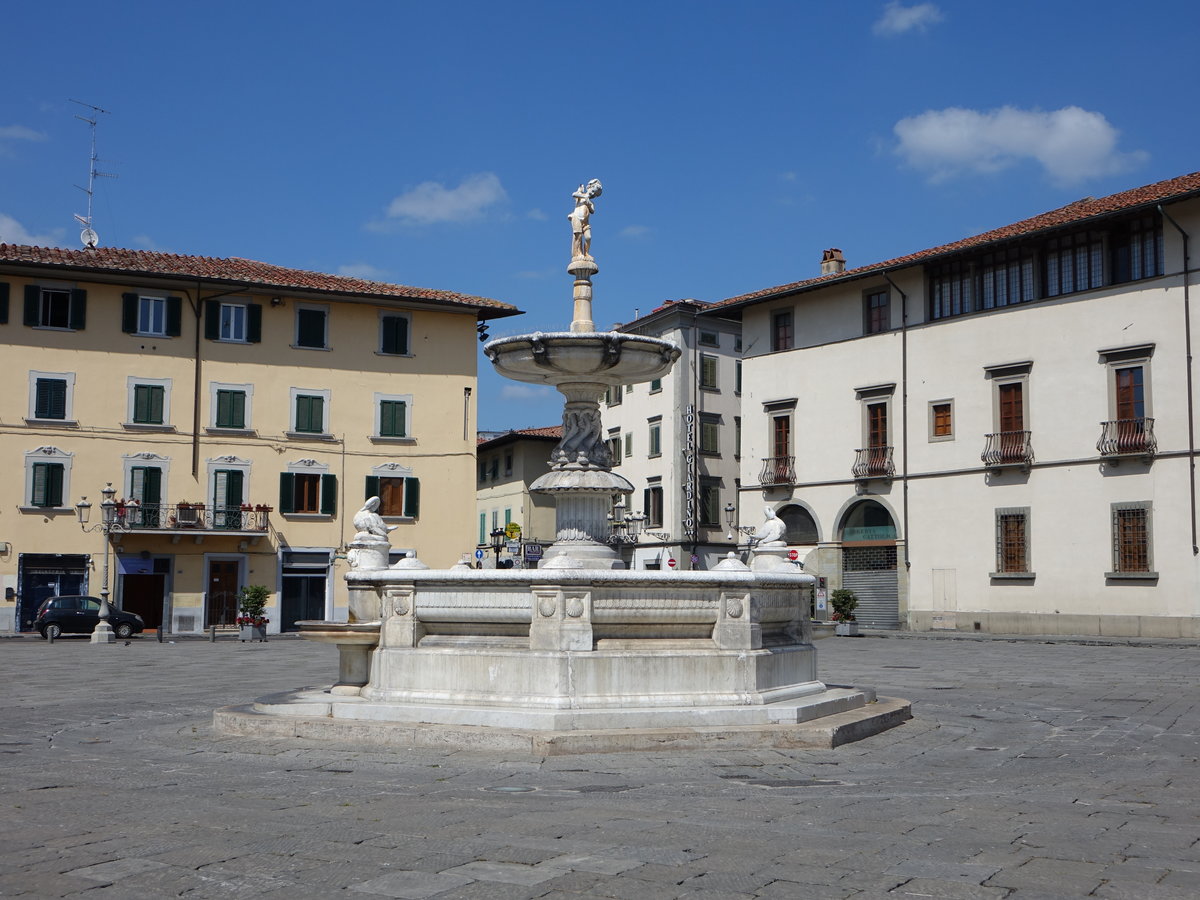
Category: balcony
<point>1008,448</point>
<point>1127,437</point>
<point>778,470</point>
<point>873,462</point>
<point>195,518</point>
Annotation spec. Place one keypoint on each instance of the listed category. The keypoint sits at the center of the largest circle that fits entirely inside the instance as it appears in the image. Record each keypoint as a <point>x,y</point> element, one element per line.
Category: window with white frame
<point>708,373</point>
<point>398,490</point>
<point>230,405</point>
<point>310,411</point>
<point>652,503</point>
<point>654,442</point>
<point>48,478</point>
<point>148,401</point>
<point>229,486</point>
<point>233,321</point>
<point>307,488</point>
<point>710,434</point>
<point>145,487</point>
<point>52,397</point>
<point>393,416</point>
<point>55,306</point>
<point>151,315</point>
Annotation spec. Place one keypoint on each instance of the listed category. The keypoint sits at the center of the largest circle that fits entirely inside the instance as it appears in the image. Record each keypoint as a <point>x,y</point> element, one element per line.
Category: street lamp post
<point>736,530</point>
<point>109,522</point>
<point>497,535</point>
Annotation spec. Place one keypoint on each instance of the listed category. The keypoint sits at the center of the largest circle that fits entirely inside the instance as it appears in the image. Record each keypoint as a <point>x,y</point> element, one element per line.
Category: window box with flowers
<point>252,603</point>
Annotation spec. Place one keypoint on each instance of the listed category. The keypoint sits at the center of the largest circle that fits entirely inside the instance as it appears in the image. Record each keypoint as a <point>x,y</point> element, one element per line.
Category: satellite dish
<point>90,238</point>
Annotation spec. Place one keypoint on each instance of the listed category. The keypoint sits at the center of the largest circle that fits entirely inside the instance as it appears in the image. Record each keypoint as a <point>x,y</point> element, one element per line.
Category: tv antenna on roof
<point>88,235</point>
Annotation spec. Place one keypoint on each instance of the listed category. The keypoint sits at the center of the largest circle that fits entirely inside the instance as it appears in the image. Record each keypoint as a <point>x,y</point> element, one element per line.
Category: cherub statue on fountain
<point>581,229</point>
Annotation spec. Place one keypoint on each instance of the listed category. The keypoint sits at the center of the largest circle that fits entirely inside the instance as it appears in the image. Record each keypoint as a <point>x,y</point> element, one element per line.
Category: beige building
<point>996,434</point>
<point>242,413</point>
<point>509,462</point>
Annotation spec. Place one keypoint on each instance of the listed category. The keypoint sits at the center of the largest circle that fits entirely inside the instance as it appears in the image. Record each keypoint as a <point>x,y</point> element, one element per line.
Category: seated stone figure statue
<point>369,524</point>
<point>771,532</point>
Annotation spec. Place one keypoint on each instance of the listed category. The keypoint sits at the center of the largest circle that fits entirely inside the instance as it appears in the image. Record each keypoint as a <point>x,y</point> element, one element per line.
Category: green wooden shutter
<point>287,492</point>
<point>412,497</point>
<point>129,313</point>
<point>152,487</point>
<point>3,302</point>
<point>148,404</point>
<point>50,399</point>
<point>33,299</point>
<point>392,415</point>
<point>395,335</point>
<point>47,484</point>
<point>212,320</point>
<point>254,323</point>
<point>231,409</point>
<point>309,413</point>
<point>372,487</point>
<point>174,316</point>
<point>328,495</point>
<point>232,480</point>
<point>78,313</point>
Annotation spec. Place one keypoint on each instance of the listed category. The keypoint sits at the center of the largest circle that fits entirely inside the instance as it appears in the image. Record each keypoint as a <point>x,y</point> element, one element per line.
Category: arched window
<point>868,521</point>
<point>801,527</point>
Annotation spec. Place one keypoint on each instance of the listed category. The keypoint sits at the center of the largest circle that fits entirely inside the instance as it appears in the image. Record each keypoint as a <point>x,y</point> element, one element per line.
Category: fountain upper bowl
<point>561,357</point>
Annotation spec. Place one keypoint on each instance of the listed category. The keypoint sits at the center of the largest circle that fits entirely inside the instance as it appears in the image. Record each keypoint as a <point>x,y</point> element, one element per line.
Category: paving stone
<point>506,873</point>
<point>954,889</point>
<point>409,885</point>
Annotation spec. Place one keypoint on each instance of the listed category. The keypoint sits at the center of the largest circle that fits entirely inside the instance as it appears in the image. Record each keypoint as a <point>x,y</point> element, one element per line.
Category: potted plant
<point>252,602</point>
<point>844,603</point>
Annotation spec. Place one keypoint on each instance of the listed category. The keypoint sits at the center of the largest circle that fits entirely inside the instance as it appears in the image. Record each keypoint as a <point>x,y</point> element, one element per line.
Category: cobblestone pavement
<point>1030,771</point>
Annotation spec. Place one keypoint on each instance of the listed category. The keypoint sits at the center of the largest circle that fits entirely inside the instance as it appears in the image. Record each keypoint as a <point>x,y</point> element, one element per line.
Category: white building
<point>677,439</point>
<point>992,435</point>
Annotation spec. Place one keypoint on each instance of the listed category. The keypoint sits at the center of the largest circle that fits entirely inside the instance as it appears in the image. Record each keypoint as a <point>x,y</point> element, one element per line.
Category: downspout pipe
<point>903,415</point>
<point>1187,343</point>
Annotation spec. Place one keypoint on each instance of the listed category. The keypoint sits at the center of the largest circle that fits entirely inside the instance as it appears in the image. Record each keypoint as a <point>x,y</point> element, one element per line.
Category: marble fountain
<point>580,654</point>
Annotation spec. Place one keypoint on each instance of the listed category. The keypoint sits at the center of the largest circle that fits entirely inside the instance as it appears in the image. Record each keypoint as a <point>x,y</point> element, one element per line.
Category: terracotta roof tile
<point>1172,189</point>
<point>236,270</point>
<point>552,432</point>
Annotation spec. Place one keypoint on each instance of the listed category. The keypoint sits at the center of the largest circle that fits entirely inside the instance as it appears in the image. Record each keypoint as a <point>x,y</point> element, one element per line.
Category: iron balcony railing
<point>1127,437</point>
<point>778,470</point>
<point>193,517</point>
<point>1008,448</point>
<point>873,462</point>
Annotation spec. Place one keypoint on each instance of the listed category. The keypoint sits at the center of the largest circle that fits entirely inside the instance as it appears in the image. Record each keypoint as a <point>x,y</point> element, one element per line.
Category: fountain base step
<point>835,716</point>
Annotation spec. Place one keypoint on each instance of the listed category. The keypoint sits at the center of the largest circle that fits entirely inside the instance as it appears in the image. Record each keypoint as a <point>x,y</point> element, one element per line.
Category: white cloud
<point>525,392</point>
<point>145,242</point>
<point>432,201</point>
<point>362,270</point>
<point>20,133</point>
<point>898,19</point>
<point>635,232</point>
<point>1071,144</point>
<point>13,232</point>
<point>537,215</point>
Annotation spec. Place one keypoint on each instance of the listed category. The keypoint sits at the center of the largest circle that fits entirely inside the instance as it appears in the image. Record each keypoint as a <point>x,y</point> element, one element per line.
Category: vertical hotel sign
<point>689,481</point>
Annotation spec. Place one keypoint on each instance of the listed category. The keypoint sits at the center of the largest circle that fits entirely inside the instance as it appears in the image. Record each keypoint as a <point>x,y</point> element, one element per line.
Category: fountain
<point>578,655</point>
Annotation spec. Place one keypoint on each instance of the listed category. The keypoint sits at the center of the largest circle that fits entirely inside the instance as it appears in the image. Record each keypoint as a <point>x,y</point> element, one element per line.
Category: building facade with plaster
<point>993,435</point>
<point>242,412</point>
<point>509,462</point>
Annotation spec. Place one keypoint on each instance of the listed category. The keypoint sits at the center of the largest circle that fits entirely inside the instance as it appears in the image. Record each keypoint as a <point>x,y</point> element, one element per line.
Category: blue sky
<point>437,144</point>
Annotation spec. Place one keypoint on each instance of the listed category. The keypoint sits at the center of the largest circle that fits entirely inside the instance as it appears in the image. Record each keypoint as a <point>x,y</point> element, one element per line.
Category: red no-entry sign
<point>671,562</point>
<point>793,554</point>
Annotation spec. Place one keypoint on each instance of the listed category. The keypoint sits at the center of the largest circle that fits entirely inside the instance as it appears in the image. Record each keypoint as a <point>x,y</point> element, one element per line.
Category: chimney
<point>832,262</point>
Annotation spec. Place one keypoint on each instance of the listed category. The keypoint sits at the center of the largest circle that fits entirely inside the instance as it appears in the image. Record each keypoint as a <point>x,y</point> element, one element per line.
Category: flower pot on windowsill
<point>846,629</point>
<point>252,632</point>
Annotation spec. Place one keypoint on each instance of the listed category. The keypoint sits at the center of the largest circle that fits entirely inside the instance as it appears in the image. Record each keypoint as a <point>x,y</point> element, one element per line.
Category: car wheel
<point>124,630</point>
<point>52,632</point>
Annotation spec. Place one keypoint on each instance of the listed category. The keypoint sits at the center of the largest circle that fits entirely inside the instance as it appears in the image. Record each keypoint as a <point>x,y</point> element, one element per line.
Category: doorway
<point>44,575</point>
<point>303,587</point>
<point>224,576</point>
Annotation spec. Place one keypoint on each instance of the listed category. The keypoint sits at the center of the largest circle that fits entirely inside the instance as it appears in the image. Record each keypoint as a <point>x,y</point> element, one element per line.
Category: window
<point>310,411</point>
<point>400,497</point>
<point>652,505</point>
<point>148,401</point>
<point>737,344</point>
<point>1131,537</point>
<point>229,477</point>
<point>710,434</point>
<point>1010,442</point>
<point>654,441</point>
<point>1006,278</point>
<point>1010,398</point>
<point>1012,542</point>
<point>55,307</point>
<point>781,435</point>
<point>614,445</point>
<point>306,489</point>
<point>233,322</point>
<point>1137,250</point>
<point>877,424</point>
<point>951,291</point>
<point>877,312</point>
<point>392,415</point>
<point>1074,263</point>
<point>781,330</point>
<point>1130,392</point>
<point>393,334</point>
<point>494,467</point>
<point>145,475</point>
<point>628,444</point>
<point>152,316</point>
<point>737,377</point>
<point>709,339</point>
<point>656,385</point>
<point>230,405</point>
<point>737,437</point>
<point>941,420</point>
<point>613,396</point>
<point>710,502</point>
<point>508,463</point>
<point>708,373</point>
<point>51,397</point>
<point>47,477</point>
<point>312,327</point>
<point>482,527</point>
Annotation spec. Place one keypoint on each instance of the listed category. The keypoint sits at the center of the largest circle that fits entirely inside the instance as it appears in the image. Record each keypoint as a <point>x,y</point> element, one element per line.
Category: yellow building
<point>509,462</point>
<point>242,413</point>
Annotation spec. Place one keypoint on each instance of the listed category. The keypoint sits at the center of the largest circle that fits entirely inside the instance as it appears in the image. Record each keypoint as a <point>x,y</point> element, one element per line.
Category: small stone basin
<point>355,641</point>
<point>560,357</point>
